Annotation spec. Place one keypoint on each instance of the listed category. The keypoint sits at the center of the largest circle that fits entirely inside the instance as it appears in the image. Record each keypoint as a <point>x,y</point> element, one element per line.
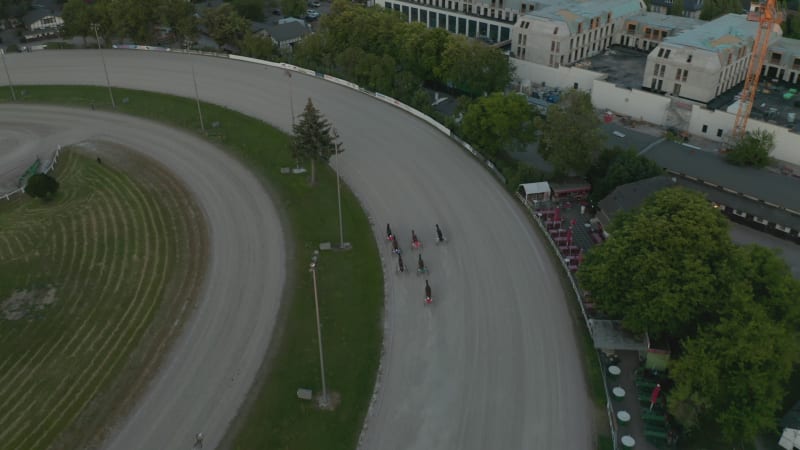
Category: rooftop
<point>769,105</point>
<point>730,30</point>
<point>573,12</point>
<point>622,66</point>
<point>288,31</point>
<point>666,22</point>
<point>688,5</point>
<point>789,48</point>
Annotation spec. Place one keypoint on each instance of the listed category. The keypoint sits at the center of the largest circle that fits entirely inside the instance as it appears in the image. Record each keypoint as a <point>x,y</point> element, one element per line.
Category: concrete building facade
<point>556,33</point>
<point>691,8</point>
<point>701,63</point>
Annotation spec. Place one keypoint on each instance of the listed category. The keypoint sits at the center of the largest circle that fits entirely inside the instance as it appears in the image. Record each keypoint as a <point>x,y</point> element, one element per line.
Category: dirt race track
<point>492,364</point>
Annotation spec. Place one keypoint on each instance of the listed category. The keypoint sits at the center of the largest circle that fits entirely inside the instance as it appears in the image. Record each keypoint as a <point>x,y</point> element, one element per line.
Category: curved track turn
<point>493,363</point>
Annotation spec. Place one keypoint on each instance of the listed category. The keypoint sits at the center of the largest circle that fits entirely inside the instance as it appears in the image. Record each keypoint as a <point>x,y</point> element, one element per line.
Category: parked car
<point>314,3</point>
<point>312,15</point>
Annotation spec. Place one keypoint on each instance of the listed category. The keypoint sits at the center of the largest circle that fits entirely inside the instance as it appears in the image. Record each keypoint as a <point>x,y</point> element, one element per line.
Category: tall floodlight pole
<point>338,147</point>
<point>197,98</point>
<point>96,27</point>
<point>323,402</point>
<point>291,101</point>
<point>8,76</point>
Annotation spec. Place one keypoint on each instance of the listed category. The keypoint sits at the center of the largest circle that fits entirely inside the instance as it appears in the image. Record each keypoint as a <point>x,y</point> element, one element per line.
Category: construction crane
<point>768,17</point>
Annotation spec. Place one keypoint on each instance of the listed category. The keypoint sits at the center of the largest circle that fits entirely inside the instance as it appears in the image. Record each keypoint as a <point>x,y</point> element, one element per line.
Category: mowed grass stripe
<point>82,397</point>
<point>87,338</point>
<point>111,344</point>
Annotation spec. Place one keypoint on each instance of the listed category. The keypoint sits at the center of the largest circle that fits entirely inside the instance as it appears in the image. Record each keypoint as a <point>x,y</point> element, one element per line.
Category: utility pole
<point>96,27</point>
<point>291,101</point>
<point>323,402</point>
<point>338,146</point>
<point>8,76</point>
<point>197,98</point>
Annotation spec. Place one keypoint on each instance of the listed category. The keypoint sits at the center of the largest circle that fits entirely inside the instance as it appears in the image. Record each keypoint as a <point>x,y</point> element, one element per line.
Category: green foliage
<point>41,185</point>
<point>677,8</point>
<point>615,167</point>
<point>378,50</point>
<point>293,8</point>
<point>312,138</point>
<point>225,25</point>
<point>135,19</point>
<point>734,373</point>
<point>499,123</point>
<point>77,16</point>
<point>257,47</point>
<point>664,268</point>
<point>472,66</point>
<point>179,15</point>
<point>570,133</point>
<point>753,149</point>
<point>250,9</point>
<point>715,8</point>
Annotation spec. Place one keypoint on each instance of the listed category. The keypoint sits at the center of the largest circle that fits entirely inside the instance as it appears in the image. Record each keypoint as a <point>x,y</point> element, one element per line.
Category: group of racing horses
<point>416,244</point>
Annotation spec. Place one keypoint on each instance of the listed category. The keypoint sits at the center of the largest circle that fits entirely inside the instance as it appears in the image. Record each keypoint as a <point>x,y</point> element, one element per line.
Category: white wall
<point>563,77</point>
<point>640,105</point>
<point>787,143</point>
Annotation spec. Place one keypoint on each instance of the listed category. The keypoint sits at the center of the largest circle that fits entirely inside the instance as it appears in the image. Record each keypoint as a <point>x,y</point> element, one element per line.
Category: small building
<point>691,8</point>
<point>285,35</point>
<point>790,424</point>
<point>535,192</point>
<point>41,20</point>
<point>570,190</point>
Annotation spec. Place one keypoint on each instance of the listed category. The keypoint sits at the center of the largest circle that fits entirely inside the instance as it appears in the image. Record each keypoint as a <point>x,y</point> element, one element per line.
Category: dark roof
<point>288,31</point>
<point>255,27</point>
<point>764,185</point>
<point>792,418</point>
<point>36,14</point>
<point>630,196</point>
<point>688,5</point>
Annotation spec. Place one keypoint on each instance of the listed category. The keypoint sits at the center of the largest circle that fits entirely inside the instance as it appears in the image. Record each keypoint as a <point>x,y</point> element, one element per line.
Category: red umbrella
<point>569,236</point>
<point>654,395</point>
<point>557,215</point>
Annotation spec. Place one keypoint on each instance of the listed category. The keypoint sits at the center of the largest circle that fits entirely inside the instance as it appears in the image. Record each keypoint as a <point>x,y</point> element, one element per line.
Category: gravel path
<point>493,363</point>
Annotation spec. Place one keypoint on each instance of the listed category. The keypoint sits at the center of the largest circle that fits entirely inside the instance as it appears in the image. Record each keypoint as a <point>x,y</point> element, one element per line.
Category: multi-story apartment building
<point>646,30</point>
<point>562,32</point>
<point>703,62</point>
<point>491,20</point>
<point>691,8</point>
<point>783,60</point>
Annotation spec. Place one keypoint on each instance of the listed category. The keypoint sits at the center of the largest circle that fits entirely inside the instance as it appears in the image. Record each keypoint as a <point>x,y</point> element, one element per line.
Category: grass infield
<point>350,283</point>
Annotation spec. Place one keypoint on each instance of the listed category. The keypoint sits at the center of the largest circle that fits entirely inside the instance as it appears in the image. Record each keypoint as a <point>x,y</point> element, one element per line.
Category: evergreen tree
<point>312,138</point>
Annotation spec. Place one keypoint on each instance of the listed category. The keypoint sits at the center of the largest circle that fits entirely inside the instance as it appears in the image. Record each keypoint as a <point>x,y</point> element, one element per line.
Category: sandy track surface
<point>211,367</point>
<point>493,363</point>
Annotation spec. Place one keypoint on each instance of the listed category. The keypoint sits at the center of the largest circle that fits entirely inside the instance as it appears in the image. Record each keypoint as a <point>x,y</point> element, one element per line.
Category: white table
<point>614,370</point>
<point>618,392</point>
<point>623,416</point>
<point>628,441</point>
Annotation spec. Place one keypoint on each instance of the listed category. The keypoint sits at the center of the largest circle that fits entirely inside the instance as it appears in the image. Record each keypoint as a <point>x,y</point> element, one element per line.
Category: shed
<point>570,190</point>
<point>535,192</point>
<point>286,34</point>
<point>41,20</point>
<point>790,439</point>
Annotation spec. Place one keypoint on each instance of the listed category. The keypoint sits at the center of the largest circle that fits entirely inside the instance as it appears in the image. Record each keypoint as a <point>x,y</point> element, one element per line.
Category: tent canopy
<point>540,187</point>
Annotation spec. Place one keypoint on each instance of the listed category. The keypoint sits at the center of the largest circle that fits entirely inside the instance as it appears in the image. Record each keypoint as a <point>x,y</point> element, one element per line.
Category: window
<point>666,53</point>
<point>580,27</point>
<point>685,74</point>
<point>796,64</point>
<point>555,30</point>
<point>663,69</point>
<point>689,58</point>
<point>719,132</point>
<point>660,52</point>
<point>676,90</point>
<point>705,128</point>
<point>678,74</point>
<point>653,84</point>
<point>730,58</point>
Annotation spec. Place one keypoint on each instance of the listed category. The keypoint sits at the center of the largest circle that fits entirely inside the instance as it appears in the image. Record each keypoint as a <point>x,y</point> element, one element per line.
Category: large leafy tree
<point>570,133</point>
<point>312,139</point>
<point>77,16</point>
<point>135,19</point>
<point>293,8</point>
<point>250,9</point>
<point>256,46</point>
<point>41,185</point>
<point>665,268</point>
<point>179,15</point>
<point>498,123</point>
<point>677,8</point>
<point>616,167</point>
<point>753,149</point>
<point>715,8</point>
<point>474,67</point>
<point>734,374</point>
<point>225,25</point>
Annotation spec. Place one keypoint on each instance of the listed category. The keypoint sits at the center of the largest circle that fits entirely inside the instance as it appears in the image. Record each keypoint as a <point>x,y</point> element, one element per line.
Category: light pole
<point>8,76</point>
<point>96,27</point>
<point>197,98</point>
<point>338,147</point>
<point>323,402</point>
<point>291,101</point>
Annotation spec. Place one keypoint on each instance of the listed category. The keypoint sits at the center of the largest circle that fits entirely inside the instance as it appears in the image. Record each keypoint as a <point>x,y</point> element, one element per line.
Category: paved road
<point>212,365</point>
<point>494,362</point>
<point>789,251</point>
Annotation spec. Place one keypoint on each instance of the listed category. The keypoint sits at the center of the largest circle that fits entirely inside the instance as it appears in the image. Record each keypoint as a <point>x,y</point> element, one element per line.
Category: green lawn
<point>350,283</point>
<point>81,279</point>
